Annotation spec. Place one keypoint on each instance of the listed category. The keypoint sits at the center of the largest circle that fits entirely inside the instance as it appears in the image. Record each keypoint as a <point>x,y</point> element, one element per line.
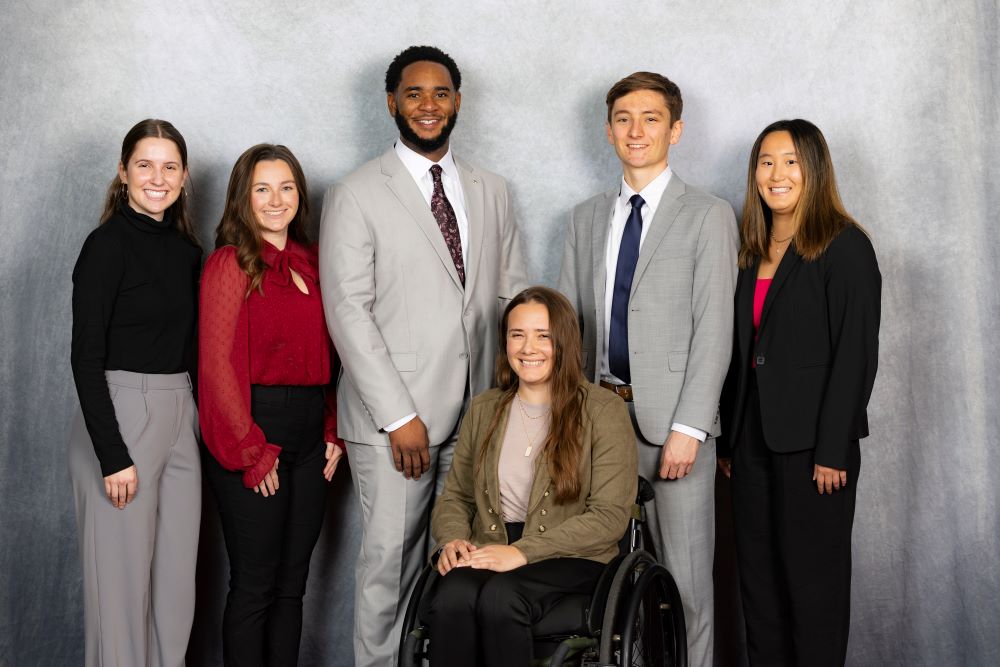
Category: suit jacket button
<point>490,510</point>
<point>546,493</point>
<point>493,527</point>
<point>544,512</point>
<point>760,359</point>
<point>541,529</point>
<point>463,356</point>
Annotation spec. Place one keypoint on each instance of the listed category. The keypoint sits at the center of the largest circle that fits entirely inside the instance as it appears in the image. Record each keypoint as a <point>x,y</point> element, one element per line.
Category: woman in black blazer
<point>794,405</point>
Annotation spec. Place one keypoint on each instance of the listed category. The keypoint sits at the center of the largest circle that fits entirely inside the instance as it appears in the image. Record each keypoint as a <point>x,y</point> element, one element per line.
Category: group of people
<point>493,427</point>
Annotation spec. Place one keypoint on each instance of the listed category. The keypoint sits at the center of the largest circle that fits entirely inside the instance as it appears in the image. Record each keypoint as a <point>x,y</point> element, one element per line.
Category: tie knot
<point>436,173</point>
<point>636,200</point>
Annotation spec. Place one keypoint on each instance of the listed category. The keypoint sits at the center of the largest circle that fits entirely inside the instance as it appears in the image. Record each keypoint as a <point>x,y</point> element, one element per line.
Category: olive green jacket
<point>588,527</point>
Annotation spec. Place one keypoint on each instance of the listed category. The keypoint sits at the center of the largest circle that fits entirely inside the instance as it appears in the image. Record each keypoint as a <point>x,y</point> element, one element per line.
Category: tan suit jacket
<point>588,527</point>
<point>409,336</point>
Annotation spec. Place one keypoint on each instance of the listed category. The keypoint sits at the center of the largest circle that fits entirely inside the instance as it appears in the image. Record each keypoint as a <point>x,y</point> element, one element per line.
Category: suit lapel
<point>600,226</point>
<point>744,304</point>
<point>666,213</point>
<point>788,263</point>
<point>406,190</point>
<point>492,463</point>
<point>472,189</point>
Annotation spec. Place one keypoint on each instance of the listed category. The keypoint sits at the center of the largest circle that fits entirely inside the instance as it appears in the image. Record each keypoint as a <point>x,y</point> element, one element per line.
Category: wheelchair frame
<point>634,617</point>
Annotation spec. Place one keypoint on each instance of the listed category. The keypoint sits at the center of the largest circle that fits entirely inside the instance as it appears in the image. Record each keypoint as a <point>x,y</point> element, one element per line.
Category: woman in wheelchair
<point>539,492</point>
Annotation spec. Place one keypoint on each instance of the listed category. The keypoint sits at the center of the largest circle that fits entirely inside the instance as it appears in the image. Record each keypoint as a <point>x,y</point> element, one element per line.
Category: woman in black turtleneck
<point>133,453</point>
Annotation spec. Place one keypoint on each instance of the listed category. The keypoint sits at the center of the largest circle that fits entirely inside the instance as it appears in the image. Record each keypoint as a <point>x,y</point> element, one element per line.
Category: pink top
<point>759,294</point>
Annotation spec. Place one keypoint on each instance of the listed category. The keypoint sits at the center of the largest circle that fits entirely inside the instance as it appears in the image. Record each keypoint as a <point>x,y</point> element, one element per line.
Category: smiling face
<point>154,176</point>
<point>642,132</point>
<point>779,174</point>
<point>530,351</point>
<point>425,107</point>
<point>274,199</point>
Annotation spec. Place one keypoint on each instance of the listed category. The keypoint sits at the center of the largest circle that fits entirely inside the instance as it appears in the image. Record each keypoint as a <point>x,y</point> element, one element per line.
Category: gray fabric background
<point>906,93</point>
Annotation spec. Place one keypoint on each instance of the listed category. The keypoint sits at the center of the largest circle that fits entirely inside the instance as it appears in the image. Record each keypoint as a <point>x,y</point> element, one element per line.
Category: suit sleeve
<point>513,274</point>
<point>347,276</point>
<point>712,312</point>
<point>567,271</point>
<point>614,476</point>
<point>853,293</point>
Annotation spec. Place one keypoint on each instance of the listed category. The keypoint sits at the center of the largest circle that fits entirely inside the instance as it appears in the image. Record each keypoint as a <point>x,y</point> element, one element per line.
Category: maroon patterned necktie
<point>447,222</point>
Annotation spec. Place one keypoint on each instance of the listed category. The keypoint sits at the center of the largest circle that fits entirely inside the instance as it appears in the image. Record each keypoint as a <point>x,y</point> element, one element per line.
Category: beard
<point>425,145</point>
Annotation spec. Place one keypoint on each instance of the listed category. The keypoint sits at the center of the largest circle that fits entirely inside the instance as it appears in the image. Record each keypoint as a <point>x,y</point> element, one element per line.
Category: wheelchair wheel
<point>644,620</point>
<point>413,642</point>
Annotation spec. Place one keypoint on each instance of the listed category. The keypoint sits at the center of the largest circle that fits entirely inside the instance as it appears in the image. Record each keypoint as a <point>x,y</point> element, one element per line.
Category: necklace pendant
<point>527,451</point>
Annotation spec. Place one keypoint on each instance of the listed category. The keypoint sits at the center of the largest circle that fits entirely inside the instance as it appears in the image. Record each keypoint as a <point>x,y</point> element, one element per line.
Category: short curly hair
<point>415,54</point>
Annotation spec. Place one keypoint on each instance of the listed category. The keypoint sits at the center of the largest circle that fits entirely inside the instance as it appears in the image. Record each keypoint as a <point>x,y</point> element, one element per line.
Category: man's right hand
<point>410,448</point>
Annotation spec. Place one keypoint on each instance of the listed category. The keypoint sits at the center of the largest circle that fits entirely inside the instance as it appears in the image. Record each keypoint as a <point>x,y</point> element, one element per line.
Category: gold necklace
<point>785,240</point>
<point>524,425</point>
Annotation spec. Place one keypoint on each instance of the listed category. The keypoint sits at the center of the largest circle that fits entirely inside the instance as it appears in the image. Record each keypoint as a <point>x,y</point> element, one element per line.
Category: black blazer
<point>816,353</point>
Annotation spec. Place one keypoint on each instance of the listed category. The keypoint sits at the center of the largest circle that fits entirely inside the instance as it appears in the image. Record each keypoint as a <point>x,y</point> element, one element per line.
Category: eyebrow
<point>419,88</point>
<point>282,183</point>
<point>652,111</point>
<point>769,155</point>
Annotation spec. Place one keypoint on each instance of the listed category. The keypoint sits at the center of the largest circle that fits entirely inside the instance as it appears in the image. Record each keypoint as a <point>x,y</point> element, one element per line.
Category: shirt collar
<point>651,194</point>
<point>418,165</point>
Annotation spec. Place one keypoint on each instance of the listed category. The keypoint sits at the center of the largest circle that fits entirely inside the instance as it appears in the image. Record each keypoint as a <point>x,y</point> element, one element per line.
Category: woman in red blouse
<point>267,419</point>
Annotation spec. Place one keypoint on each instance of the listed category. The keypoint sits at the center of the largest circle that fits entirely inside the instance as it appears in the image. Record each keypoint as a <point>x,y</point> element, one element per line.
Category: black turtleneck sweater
<point>135,294</point>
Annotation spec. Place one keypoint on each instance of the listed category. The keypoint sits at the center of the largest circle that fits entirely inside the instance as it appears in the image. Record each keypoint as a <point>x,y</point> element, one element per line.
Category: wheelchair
<point>633,617</point>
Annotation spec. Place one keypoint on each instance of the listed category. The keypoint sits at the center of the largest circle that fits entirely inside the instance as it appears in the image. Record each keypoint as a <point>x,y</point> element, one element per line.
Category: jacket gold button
<point>541,529</point>
<point>544,512</point>
<point>546,493</point>
<point>493,527</point>
<point>490,510</point>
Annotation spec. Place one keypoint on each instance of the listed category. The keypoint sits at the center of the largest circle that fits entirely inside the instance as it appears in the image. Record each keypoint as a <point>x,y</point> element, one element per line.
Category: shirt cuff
<point>401,422</point>
<point>689,430</point>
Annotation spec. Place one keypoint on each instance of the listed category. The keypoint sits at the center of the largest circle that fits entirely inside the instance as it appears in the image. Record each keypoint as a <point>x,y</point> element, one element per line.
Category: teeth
<point>525,362</point>
<point>155,194</point>
<point>780,191</point>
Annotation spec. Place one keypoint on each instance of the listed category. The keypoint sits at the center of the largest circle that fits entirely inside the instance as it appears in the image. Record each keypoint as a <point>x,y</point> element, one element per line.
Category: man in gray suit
<point>651,268</point>
<point>418,252</point>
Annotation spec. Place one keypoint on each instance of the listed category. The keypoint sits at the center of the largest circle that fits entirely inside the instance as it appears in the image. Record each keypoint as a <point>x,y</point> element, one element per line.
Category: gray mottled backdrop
<point>906,93</point>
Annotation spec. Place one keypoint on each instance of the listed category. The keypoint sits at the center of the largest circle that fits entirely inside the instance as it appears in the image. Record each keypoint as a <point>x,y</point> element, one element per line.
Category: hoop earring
<point>124,194</point>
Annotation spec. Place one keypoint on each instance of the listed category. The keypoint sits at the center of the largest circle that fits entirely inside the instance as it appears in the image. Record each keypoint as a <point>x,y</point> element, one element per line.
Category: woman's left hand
<point>333,454</point>
<point>496,557</point>
<point>829,480</point>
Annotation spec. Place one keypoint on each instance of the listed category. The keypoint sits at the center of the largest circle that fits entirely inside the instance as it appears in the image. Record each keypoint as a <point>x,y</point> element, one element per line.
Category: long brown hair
<point>562,445</point>
<point>239,227</point>
<point>819,215</point>
<point>156,129</point>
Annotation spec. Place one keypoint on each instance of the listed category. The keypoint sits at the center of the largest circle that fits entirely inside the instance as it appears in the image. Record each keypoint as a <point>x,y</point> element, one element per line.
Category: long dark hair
<point>157,129</point>
<point>820,213</point>
<point>562,445</point>
<point>238,226</point>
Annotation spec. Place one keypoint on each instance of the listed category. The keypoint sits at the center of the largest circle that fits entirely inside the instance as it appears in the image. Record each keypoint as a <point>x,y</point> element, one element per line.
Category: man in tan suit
<point>418,252</point>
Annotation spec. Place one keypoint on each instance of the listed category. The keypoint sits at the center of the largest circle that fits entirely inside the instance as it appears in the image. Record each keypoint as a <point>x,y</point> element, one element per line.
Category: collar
<point>651,194</point>
<point>418,165</point>
<point>145,223</point>
<point>294,257</point>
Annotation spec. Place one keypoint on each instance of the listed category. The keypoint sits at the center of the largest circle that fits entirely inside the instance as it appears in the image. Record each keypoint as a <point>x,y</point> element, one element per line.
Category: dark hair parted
<point>648,81</point>
<point>562,447</point>
<point>415,54</point>
<point>157,129</point>
<point>239,226</point>
<point>819,214</point>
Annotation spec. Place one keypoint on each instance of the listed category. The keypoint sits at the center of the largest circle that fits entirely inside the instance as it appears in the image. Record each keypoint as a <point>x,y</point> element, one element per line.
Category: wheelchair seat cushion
<point>567,617</point>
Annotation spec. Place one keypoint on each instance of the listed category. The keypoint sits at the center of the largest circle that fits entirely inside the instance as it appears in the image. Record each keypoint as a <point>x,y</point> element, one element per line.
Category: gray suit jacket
<point>680,329</point>
<point>409,336</point>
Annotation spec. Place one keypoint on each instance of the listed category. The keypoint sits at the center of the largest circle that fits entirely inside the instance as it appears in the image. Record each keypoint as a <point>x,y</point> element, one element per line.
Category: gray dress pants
<point>139,562</point>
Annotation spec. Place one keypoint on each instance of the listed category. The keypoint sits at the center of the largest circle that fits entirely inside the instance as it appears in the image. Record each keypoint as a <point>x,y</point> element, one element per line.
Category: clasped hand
<point>496,557</point>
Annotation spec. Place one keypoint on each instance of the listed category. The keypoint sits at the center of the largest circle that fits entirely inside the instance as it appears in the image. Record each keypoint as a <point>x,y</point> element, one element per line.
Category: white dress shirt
<point>651,195</point>
<point>420,169</point>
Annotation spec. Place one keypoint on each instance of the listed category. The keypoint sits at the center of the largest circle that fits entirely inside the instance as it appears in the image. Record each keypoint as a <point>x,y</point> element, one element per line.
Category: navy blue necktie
<point>628,254</point>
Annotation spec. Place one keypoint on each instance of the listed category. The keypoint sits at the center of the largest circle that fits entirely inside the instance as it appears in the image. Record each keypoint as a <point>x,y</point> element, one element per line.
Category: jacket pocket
<point>404,361</point>
<point>677,361</point>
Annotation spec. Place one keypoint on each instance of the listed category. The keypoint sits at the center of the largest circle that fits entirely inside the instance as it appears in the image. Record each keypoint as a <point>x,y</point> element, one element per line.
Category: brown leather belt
<point>623,390</point>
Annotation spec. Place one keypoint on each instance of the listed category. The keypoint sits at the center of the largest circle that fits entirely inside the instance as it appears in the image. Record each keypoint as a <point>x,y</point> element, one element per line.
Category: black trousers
<point>793,547</point>
<point>270,540</point>
<point>481,617</point>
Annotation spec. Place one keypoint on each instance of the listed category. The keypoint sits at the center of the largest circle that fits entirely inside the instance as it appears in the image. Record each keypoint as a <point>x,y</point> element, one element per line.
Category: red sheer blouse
<point>277,337</point>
